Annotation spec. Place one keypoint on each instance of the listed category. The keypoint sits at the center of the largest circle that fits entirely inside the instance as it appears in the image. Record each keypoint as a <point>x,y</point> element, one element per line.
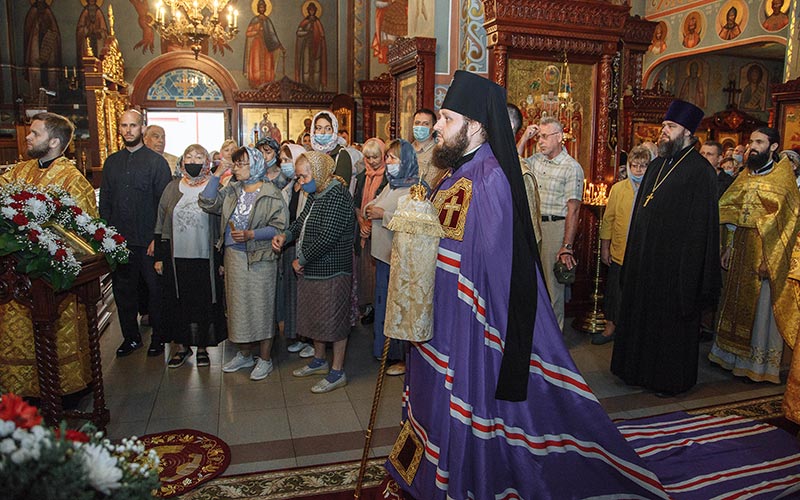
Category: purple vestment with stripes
<point>557,444</point>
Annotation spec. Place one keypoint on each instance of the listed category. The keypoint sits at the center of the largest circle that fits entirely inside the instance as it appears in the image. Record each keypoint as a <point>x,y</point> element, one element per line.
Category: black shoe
<point>665,395</point>
<point>127,347</point>
<point>369,317</point>
<point>155,349</point>
<point>600,339</point>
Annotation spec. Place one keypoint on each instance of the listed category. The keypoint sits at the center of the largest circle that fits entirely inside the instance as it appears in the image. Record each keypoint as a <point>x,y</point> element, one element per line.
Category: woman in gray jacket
<point>252,211</point>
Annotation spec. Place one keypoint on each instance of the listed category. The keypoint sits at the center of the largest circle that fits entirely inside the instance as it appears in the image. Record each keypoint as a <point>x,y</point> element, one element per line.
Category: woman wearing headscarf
<point>295,198</point>
<point>324,264</point>
<point>402,171</point>
<point>369,183</point>
<point>225,162</point>
<point>325,139</point>
<point>187,261</point>
<point>270,148</point>
<point>252,213</point>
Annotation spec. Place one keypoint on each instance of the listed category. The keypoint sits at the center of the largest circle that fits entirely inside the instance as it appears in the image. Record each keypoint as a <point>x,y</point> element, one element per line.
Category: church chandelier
<point>193,22</point>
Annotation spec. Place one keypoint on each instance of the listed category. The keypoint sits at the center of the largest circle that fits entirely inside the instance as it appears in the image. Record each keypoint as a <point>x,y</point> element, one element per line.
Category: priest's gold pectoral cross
<point>647,199</point>
<point>452,205</point>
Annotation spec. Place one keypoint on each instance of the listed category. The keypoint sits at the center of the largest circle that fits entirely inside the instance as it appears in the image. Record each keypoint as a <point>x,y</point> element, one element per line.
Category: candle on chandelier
<point>65,72</point>
<point>235,18</point>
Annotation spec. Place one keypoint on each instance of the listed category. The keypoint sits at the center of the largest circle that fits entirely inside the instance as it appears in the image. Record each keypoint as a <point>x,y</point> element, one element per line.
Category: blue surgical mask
<point>392,169</point>
<point>311,186</point>
<point>421,133</point>
<point>729,172</point>
<point>738,158</point>
<point>287,169</point>
<point>271,162</point>
<point>635,178</point>
<point>323,138</point>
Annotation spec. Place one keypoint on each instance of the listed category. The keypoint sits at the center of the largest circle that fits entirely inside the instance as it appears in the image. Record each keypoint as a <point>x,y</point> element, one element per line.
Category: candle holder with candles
<point>593,320</point>
<point>192,22</point>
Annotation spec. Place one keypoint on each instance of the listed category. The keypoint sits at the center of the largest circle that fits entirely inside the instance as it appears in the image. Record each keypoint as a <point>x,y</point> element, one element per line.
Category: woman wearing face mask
<point>325,139</point>
<point>187,261</point>
<point>402,172</point>
<point>252,213</point>
<point>295,198</point>
<point>269,148</point>
<point>369,183</point>
<point>614,237</point>
<point>324,265</point>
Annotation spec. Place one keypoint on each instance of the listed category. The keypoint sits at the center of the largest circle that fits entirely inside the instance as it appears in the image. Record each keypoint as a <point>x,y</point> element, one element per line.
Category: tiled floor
<point>278,423</point>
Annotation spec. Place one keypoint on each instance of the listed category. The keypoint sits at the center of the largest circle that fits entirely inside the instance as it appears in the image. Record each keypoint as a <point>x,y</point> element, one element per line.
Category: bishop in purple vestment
<point>494,397</point>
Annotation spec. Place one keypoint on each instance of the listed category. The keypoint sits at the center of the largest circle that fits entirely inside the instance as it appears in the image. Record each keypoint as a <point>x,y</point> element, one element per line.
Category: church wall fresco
<point>700,80</point>
<point>308,31</point>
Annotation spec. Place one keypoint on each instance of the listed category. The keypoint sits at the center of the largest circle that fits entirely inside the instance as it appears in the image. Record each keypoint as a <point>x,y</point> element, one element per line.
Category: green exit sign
<point>184,103</point>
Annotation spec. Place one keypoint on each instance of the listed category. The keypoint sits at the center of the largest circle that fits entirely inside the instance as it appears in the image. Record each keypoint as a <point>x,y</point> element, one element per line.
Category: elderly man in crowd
<point>560,180</point>
<point>155,138</point>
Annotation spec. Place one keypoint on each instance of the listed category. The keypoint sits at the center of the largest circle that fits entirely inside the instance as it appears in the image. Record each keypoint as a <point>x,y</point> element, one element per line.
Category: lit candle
<point>216,6</point>
<point>178,16</point>
<point>65,72</point>
<point>195,7</point>
<point>74,72</point>
<point>235,18</point>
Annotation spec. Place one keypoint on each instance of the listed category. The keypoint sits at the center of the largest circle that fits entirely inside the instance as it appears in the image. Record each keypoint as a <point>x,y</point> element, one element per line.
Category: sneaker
<point>238,362</point>
<point>307,352</point>
<point>179,358</point>
<point>156,349</point>
<point>297,346</point>
<point>308,370</point>
<point>396,369</point>
<point>262,370</point>
<point>127,347</point>
<point>324,386</point>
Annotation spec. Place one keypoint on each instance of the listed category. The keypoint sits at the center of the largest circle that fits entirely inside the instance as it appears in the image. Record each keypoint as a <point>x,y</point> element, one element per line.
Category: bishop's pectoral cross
<point>450,206</point>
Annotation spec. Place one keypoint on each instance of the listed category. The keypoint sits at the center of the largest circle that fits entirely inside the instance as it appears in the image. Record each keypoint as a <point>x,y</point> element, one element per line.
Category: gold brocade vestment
<point>18,372</point>
<point>767,209</point>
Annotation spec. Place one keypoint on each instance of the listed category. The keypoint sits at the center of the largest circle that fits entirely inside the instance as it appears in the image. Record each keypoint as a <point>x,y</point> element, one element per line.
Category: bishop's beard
<point>446,155</point>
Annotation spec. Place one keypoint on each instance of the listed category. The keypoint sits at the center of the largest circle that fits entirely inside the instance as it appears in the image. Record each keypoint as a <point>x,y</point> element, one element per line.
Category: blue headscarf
<point>270,143</point>
<point>409,168</point>
<point>258,169</point>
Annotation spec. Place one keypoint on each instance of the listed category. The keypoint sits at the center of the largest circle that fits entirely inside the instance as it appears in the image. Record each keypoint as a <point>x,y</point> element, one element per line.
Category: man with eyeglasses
<point>560,180</point>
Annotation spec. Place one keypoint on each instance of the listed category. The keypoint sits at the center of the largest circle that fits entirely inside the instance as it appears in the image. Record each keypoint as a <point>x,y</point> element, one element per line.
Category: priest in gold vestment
<point>49,136</point>
<point>759,309</point>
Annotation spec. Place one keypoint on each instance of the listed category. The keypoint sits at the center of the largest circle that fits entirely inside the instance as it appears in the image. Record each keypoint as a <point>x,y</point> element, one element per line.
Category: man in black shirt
<point>133,180</point>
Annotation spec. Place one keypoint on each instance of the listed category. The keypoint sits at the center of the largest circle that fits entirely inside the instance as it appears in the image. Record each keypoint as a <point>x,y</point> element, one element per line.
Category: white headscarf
<point>325,148</point>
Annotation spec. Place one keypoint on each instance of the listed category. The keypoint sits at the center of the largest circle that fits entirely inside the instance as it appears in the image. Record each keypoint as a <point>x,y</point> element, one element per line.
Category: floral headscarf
<point>270,143</point>
<point>325,148</point>
<point>205,172</point>
<point>258,169</point>
<point>322,168</point>
<point>409,168</point>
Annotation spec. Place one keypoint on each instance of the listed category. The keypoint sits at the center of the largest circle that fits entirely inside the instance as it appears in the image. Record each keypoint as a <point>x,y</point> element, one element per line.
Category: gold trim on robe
<point>18,372</point>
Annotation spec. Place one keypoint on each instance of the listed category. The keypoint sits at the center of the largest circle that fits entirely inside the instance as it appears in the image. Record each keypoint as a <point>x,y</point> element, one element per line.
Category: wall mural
<point>261,46</point>
<point>391,23</point>
<point>92,25</point>
<point>731,19</point>
<point>695,83</point>
<point>694,28</point>
<point>310,59</point>
<point>659,42</point>
<point>143,18</point>
<point>42,43</point>
<point>775,14</point>
<point>754,81</point>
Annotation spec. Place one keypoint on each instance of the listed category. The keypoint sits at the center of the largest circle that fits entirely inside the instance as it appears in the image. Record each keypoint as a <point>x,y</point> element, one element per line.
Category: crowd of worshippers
<point>232,244</point>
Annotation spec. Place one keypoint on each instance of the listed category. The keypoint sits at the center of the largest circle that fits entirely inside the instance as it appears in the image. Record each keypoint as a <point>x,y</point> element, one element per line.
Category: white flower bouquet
<point>37,462</point>
<point>26,213</point>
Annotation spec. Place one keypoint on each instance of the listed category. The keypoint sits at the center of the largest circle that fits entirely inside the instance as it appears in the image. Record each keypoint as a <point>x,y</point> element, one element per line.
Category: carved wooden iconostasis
<point>527,43</point>
<point>786,119</point>
<point>286,104</point>
<point>375,96</point>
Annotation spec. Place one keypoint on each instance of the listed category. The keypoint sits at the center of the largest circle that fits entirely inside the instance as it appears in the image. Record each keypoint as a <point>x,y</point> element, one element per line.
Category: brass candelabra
<point>593,320</point>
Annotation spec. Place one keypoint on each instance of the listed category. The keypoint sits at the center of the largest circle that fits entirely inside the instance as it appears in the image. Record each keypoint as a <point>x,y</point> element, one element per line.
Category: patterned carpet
<point>189,458</point>
<point>338,480</point>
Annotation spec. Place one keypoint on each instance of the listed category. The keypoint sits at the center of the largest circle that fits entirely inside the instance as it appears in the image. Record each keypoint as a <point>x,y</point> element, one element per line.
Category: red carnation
<point>20,220</point>
<point>40,197</point>
<point>23,196</point>
<point>14,409</point>
<point>33,235</point>
<point>76,210</point>
<point>118,239</point>
<point>60,254</point>
<point>73,435</point>
<point>16,205</point>
<point>99,234</point>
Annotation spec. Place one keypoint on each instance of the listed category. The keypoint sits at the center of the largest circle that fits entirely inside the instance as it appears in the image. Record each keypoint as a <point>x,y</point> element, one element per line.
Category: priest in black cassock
<point>672,267</point>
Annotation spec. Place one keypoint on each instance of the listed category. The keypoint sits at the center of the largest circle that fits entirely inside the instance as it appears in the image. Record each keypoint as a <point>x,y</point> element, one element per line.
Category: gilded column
<point>600,167</point>
<point>791,69</point>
